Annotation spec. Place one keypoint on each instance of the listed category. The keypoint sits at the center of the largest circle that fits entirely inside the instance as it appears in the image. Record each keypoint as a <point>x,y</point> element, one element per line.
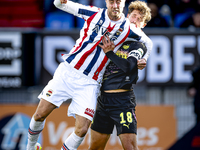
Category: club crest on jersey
<point>89,112</point>
<point>126,46</point>
<point>119,31</point>
<point>49,93</point>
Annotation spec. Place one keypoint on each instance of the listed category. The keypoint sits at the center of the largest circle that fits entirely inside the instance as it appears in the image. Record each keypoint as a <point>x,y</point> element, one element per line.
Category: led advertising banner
<point>10,59</point>
<point>27,59</point>
<point>173,57</point>
<point>156,128</point>
<point>17,58</point>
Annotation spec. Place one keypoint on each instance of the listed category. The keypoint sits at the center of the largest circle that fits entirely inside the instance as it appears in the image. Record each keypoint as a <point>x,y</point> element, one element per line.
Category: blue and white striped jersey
<point>86,56</point>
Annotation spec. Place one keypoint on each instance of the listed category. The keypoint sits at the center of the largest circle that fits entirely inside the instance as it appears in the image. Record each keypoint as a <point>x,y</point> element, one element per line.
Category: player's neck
<point>114,18</point>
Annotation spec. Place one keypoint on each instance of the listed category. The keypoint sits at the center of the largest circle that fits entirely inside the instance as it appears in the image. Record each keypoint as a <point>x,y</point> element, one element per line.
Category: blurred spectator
<point>194,91</point>
<point>182,10</point>
<point>159,3</point>
<point>157,20</point>
<point>192,21</point>
<point>97,3</point>
<point>181,6</point>
<point>166,13</point>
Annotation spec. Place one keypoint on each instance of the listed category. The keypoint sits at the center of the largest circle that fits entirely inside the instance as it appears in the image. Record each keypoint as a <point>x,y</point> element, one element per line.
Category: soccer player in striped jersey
<point>116,104</point>
<point>79,76</point>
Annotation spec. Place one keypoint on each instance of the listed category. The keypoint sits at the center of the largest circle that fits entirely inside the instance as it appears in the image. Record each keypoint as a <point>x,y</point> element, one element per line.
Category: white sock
<point>34,130</point>
<point>72,142</point>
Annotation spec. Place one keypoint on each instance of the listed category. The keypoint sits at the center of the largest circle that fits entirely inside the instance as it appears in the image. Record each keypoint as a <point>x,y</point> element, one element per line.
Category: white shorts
<point>69,84</point>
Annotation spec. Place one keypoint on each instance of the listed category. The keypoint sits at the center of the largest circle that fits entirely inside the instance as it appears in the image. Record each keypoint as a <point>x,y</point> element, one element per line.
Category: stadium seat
<point>5,22</point>
<point>17,2</point>
<point>28,10</point>
<point>21,13</point>
<point>5,10</point>
<point>59,20</point>
<point>27,22</point>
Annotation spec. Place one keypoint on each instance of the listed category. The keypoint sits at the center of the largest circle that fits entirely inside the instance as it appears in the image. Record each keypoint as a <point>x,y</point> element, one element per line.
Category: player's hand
<point>108,45</point>
<point>63,1</point>
<point>141,63</point>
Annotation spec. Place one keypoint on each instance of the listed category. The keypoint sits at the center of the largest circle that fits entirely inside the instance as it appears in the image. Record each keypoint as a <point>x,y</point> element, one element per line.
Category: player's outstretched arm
<point>127,65</point>
<point>63,1</point>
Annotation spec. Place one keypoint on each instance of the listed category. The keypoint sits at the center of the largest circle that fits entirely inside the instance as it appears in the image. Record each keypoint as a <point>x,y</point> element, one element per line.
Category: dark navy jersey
<point>122,71</point>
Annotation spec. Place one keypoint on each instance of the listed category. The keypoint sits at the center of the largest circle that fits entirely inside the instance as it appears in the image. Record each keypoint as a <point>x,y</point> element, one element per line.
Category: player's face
<point>115,8</point>
<point>136,18</point>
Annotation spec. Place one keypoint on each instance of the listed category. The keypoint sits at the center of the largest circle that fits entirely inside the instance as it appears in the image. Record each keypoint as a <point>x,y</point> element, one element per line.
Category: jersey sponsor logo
<point>122,54</point>
<point>49,93</point>
<point>89,112</point>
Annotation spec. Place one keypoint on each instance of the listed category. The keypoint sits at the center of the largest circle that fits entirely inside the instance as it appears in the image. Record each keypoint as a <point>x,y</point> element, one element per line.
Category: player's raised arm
<point>129,64</point>
<point>63,1</point>
<point>79,10</point>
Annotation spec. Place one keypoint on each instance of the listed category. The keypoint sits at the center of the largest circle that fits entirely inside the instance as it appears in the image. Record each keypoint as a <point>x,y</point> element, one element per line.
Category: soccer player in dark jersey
<point>116,104</point>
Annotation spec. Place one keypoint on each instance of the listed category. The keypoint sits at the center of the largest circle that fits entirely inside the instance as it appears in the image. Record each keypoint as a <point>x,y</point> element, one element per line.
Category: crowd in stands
<point>165,13</point>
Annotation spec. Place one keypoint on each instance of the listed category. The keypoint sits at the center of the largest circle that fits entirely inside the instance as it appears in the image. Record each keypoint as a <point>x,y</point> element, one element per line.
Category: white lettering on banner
<point>10,82</point>
<point>13,69</point>
<point>147,137</point>
<point>54,136</point>
<point>152,136</point>
<point>114,139</point>
<point>166,63</point>
<point>14,38</point>
<point>161,58</point>
<point>9,53</point>
<point>50,44</point>
<point>181,59</point>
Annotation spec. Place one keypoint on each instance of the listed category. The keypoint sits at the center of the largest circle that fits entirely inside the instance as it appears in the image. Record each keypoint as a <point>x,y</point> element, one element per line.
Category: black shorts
<point>115,109</point>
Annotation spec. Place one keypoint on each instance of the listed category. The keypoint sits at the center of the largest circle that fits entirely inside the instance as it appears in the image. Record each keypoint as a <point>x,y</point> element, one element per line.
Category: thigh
<point>129,141</point>
<point>43,110</point>
<point>98,140</point>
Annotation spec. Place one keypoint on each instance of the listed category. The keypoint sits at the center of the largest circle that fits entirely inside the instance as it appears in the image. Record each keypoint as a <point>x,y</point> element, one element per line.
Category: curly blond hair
<point>145,11</point>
